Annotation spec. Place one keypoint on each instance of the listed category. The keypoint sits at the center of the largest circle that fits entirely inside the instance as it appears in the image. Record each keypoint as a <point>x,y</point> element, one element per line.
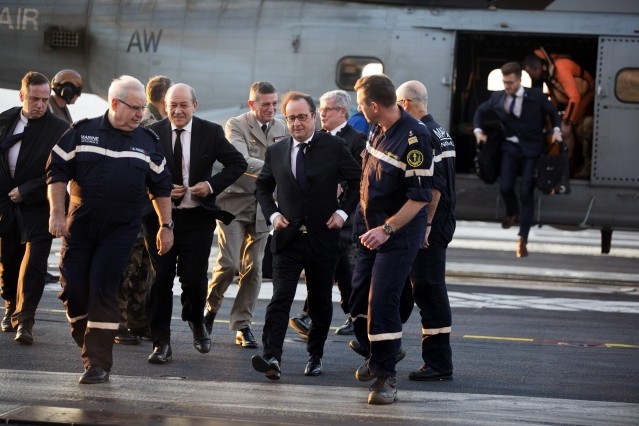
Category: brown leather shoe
<point>508,221</point>
<point>522,251</point>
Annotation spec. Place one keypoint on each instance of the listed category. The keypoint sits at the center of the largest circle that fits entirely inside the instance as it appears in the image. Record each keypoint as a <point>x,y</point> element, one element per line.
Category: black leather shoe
<point>142,333</point>
<point>50,278</point>
<point>313,366</point>
<point>268,365</point>
<point>6,320</point>
<point>94,375</point>
<point>161,353</point>
<point>24,333</point>
<point>209,318</point>
<point>509,220</point>
<point>245,338</point>
<point>427,374</point>
<point>346,329</point>
<point>201,339</point>
<point>125,337</point>
<point>301,324</point>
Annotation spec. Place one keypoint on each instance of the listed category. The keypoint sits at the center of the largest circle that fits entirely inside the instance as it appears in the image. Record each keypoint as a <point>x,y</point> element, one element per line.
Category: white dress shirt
<point>14,151</point>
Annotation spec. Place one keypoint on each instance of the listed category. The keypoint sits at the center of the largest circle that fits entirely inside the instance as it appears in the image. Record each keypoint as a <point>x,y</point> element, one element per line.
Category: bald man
<point>428,275</point>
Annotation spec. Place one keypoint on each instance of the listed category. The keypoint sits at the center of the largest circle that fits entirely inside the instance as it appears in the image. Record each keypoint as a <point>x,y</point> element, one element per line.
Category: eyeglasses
<point>328,109</point>
<point>133,108</point>
<point>401,101</point>
<point>299,117</point>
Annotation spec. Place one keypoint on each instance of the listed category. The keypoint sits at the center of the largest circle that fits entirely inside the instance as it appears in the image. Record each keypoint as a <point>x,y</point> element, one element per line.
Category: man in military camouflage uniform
<point>137,278</point>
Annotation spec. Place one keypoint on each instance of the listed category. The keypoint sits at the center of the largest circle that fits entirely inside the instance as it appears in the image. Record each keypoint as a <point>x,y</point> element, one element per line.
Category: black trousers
<point>344,269</point>
<point>428,278</point>
<point>513,162</point>
<point>23,269</point>
<point>287,267</point>
<point>378,281</point>
<point>92,263</point>
<point>188,259</point>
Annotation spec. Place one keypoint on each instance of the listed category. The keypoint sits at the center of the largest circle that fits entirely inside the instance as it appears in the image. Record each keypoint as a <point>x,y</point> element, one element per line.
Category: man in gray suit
<point>241,243</point>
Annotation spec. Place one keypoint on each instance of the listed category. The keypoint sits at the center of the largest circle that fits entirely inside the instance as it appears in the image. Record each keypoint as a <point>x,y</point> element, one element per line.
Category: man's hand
<point>373,238</point>
<point>200,189</point>
<point>280,222</point>
<point>556,136</point>
<point>164,240</point>
<point>426,234</point>
<point>14,195</point>
<point>58,225</point>
<point>335,221</point>
<point>480,137</point>
<point>178,191</point>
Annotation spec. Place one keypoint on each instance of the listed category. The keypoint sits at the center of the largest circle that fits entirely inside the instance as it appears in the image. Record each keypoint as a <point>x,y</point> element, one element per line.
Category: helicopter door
<point>615,150</point>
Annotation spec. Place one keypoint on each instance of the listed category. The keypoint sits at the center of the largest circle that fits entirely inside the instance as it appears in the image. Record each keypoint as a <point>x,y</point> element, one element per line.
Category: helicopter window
<point>351,68</point>
<point>495,80</point>
<point>627,85</point>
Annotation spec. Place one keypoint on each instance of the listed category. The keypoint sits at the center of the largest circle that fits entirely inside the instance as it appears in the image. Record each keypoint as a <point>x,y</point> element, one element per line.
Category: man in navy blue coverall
<point>397,177</point>
<point>112,164</point>
<point>428,276</point>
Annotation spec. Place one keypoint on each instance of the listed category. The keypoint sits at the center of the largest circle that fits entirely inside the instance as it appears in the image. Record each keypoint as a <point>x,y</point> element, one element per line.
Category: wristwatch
<point>387,228</point>
<point>169,225</point>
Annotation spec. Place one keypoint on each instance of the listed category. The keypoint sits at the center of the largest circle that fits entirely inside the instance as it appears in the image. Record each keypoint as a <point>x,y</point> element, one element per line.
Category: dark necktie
<point>177,162</point>
<point>512,104</point>
<point>9,141</point>
<point>264,129</point>
<point>300,170</point>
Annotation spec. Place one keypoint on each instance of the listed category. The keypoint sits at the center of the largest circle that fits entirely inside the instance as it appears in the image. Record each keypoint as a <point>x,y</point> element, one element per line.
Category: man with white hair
<point>112,164</point>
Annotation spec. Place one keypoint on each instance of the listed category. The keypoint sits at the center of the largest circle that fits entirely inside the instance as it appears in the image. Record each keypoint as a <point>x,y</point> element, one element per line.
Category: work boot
<point>6,319</point>
<point>24,334</point>
<point>383,391</point>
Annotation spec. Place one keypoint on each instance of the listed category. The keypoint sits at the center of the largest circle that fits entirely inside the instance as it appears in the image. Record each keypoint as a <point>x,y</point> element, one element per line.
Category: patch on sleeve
<point>412,140</point>
<point>415,158</point>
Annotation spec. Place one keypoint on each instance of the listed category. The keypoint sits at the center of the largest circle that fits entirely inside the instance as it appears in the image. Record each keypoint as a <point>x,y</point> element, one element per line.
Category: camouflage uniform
<point>135,287</point>
<point>138,278</point>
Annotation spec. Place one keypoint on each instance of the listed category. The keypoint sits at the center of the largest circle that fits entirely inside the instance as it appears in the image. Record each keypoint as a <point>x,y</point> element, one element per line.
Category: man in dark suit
<point>523,113</point>
<point>27,135</point>
<point>191,146</point>
<point>334,107</point>
<point>306,168</point>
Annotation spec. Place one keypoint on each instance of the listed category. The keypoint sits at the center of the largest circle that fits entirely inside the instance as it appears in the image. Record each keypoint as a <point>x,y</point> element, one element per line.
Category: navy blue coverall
<point>110,171</point>
<point>428,276</point>
<point>397,167</point>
